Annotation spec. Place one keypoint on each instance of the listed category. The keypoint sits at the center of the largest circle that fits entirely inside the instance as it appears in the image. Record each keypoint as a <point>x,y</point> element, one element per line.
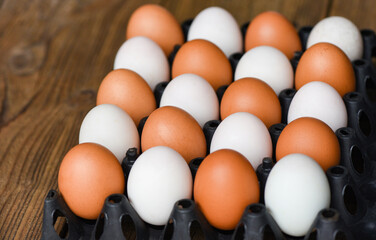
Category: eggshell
<point>205,59</point>
<point>157,23</point>
<point>267,64</point>
<point>129,91</point>
<point>111,127</point>
<point>326,63</point>
<point>254,96</point>
<point>88,174</point>
<point>340,32</point>
<point>311,137</point>
<point>218,26</point>
<point>193,94</point>
<point>159,177</point>
<point>296,190</point>
<point>225,184</point>
<point>275,30</point>
<point>245,133</point>
<point>175,128</point>
<point>319,100</point>
<point>145,57</point>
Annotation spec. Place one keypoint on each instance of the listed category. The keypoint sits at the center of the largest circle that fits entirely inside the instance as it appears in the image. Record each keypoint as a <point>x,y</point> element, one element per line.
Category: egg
<point>129,91</point>
<point>296,190</point>
<point>254,96</point>
<point>225,184</point>
<point>111,127</point>
<point>327,63</point>
<point>88,174</point>
<point>311,137</point>
<point>275,30</point>
<point>267,64</point>
<point>157,23</point>
<point>319,100</point>
<point>205,59</point>
<point>245,133</point>
<point>145,57</point>
<point>175,128</point>
<point>193,94</point>
<point>159,177</point>
<point>340,32</point>
<point>218,26</point>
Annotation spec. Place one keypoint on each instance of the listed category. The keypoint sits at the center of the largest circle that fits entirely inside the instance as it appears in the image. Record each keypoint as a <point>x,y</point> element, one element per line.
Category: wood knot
<point>25,60</point>
<point>82,98</point>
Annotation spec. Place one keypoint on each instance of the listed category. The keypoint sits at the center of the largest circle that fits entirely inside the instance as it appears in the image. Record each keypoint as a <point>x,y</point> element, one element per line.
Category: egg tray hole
<point>365,73</point>
<point>371,89</point>
<point>369,42</point>
<point>361,117</point>
<point>359,157</point>
<point>195,231</point>
<point>60,224</point>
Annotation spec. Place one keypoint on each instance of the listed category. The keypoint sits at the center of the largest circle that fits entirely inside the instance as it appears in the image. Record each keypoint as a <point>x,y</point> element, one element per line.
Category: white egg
<point>159,177</point>
<point>319,100</point>
<point>246,134</point>
<point>295,191</point>
<point>146,58</point>
<point>193,94</point>
<point>111,127</point>
<point>218,26</point>
<point>267,64</point>
<point>340,32</point>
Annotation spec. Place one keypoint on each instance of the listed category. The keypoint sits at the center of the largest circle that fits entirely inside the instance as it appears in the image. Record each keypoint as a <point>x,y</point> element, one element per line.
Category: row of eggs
<point>172,135</point>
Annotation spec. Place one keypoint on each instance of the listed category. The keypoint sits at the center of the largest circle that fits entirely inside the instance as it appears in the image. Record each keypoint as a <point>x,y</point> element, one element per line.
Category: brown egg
<point>129,91</point>
<point>205,59</point>
<point>254,96</point>
<point>275,30</point>
<point>158,24</point>
<point>224,186</point>
<point>327,63</point>
<point>175,128</point>
<point>311,137</point>
<point>88,174</point>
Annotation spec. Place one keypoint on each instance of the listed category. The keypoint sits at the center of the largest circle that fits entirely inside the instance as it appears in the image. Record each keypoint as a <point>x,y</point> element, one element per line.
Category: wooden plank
<point>361,13</point>
<point>52,63</point>
<point>300,12</point>
<point>54,55</point>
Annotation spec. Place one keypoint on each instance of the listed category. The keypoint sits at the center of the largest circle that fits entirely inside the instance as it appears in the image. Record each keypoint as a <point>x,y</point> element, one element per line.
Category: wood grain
<point>54,55</point>
<point>361,13</point>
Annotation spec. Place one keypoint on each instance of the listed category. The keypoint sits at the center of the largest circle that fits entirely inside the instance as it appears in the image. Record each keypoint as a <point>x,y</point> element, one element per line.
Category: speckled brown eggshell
<point>311,137</point>
<point>254,96</point>
<point>158,24</point>
<point>225,184</point>
<point>129,91</point>
<point>88,174</point>
<point>175,128</point>
<point>273,29</point>
<point>205,59</point>
<point>327,63</point>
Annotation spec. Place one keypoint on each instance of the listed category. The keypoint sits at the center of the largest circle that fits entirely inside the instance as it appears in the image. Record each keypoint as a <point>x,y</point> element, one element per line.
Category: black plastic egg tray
<point>352,212</point>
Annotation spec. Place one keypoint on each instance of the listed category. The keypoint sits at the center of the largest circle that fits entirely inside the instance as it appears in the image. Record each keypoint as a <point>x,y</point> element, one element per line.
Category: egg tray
<point>352,212</point>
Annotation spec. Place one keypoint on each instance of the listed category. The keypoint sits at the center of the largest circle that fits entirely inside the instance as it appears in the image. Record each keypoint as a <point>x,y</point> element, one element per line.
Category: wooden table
<point>54,55</point>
